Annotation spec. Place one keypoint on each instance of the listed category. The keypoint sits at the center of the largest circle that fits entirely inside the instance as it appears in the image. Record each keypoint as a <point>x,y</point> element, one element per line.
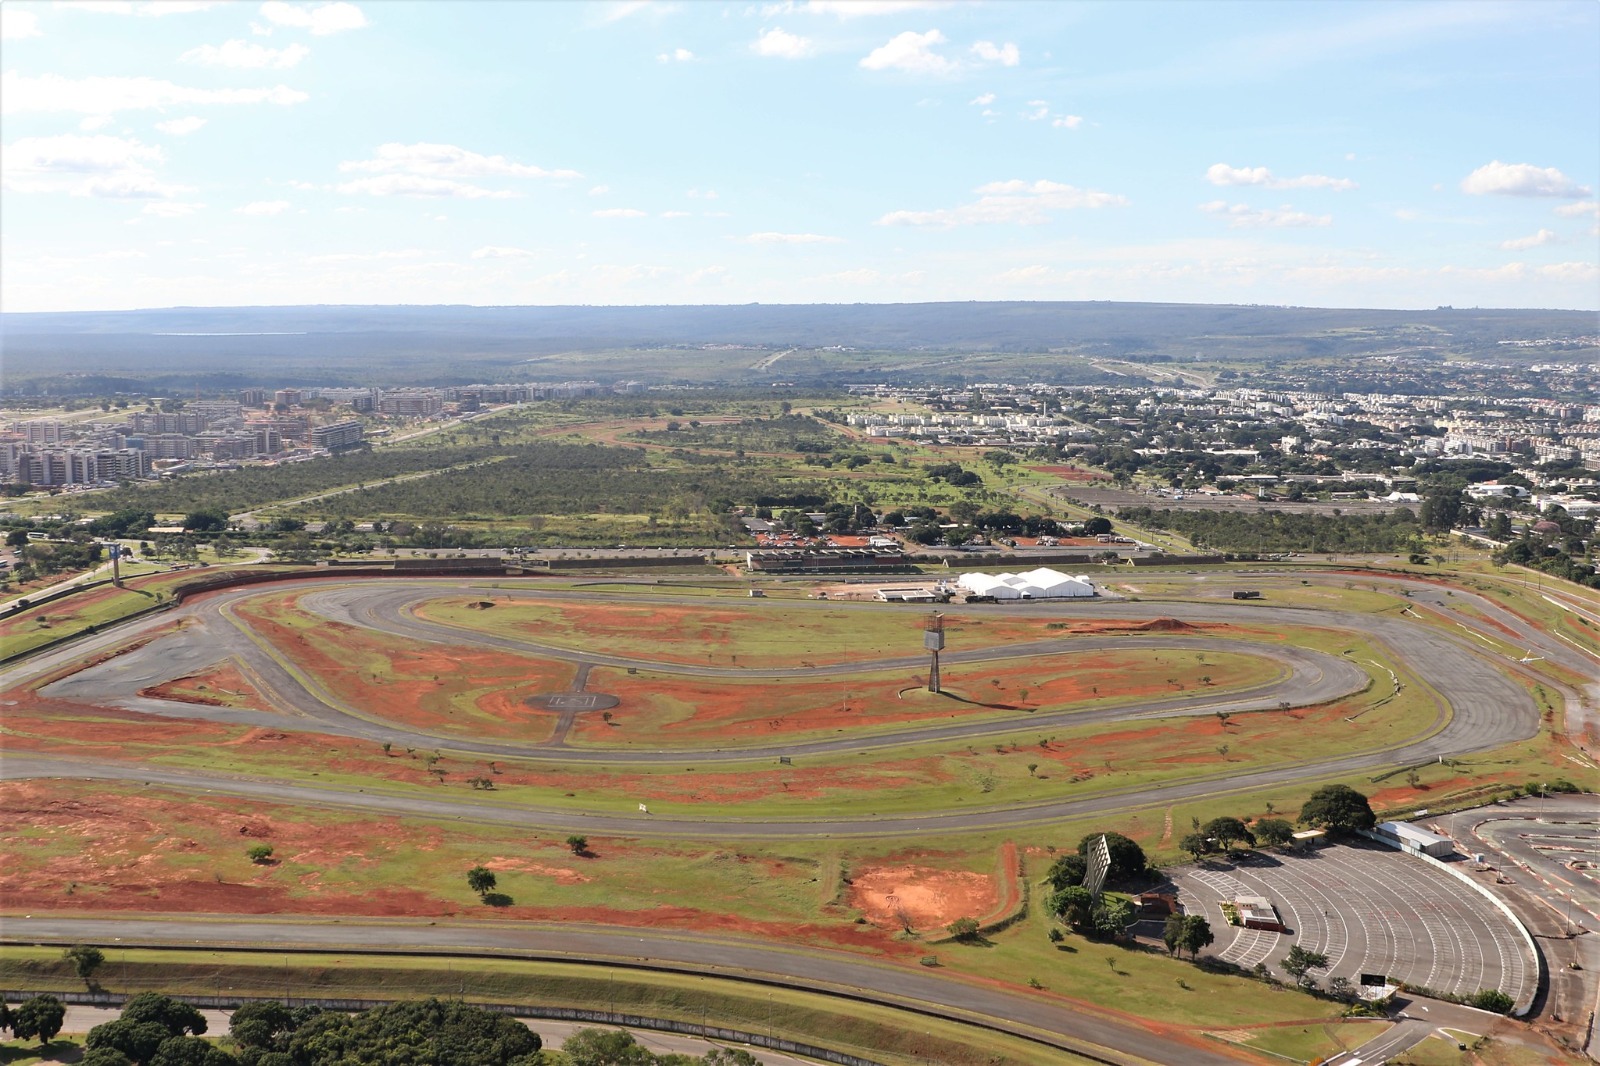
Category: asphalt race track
<point>1479,708</point>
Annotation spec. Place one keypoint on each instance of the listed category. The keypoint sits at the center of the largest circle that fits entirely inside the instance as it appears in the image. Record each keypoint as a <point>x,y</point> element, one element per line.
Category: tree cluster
<point>1279,531</point>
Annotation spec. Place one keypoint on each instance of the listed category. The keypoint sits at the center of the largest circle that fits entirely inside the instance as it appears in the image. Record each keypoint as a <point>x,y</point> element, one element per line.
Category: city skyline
<point>1380,155</point>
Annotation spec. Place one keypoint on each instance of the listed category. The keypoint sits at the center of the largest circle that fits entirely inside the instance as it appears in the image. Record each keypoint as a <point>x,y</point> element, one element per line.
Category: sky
<point>161,153</point>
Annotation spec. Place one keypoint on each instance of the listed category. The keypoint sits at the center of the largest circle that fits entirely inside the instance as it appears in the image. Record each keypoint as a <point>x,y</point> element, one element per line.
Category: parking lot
<point>1370,910</point>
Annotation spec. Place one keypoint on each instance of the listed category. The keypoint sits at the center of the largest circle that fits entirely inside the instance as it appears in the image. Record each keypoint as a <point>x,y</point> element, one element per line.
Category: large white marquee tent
<point>1040,584</point>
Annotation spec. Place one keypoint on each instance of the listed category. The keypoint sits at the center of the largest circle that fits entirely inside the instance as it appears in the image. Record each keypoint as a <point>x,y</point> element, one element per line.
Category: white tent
<point>1040,584</point>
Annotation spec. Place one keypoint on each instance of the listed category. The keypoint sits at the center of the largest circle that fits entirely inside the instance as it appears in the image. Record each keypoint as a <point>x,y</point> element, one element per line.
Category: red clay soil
<point>924,898</point>
<point>128,858</point>
<point>204,688</point>
<point>412,691</point>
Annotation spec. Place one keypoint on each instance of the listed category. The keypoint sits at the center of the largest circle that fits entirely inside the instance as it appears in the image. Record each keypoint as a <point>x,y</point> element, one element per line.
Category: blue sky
<point>1347,154</point>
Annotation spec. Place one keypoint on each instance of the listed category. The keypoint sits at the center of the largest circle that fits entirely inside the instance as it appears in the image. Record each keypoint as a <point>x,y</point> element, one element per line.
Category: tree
<point>578,844</point>
<point>1072,905</point>
<point>1097,526</point>
<point>1127,857</point>
<point>1226,831</point>
<point>1440,509</point>
<point>178,1017</point>
<point>1274,832</point>
<point>1300,961</point>
<point>191,1051</point>
<point>605,1047</point>
<point>85,961</point>
<point>1339,809</point>
<point>1195,844</point>
<point>1111,917</point>
<point>412,1033</point>
<point>481,880</point>
<point>1172,933</point>
<point>1067,870</point>
<point>104,1056</point>
<point>266,1026</point>
<point>207,521</point>
<point>1196,934</point>
<point>964,928</point>
<point>41,1016</point>
<point>1492,999</point>
<point>136,1041</point>
<point>260,854</point>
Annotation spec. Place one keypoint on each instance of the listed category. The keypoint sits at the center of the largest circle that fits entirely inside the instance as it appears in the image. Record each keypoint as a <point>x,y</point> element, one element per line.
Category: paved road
<point>1479,709</point>
<point>80,1019</point>
<point>1063,1024</point>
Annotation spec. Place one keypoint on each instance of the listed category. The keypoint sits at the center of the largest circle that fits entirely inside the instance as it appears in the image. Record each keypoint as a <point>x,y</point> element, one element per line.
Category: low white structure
<point>1040,584</point>
<point>1408,837</point>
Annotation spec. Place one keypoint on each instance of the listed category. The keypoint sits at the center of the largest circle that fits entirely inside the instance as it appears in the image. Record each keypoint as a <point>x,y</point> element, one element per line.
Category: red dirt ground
<point>413,690</point>
<point>221,686</point>
<point>127,853</point>
<point>929,899</point>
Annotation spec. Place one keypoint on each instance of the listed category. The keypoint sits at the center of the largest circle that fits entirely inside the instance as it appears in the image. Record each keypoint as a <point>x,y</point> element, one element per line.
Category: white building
<point>1040,584</point>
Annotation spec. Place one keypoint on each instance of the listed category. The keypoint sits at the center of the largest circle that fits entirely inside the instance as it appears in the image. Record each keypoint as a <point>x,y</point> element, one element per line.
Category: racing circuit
<point>1478,707</point>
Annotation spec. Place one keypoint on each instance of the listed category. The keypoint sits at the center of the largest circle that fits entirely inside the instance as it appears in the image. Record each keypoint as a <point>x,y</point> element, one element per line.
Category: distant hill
<point>1043,341</point>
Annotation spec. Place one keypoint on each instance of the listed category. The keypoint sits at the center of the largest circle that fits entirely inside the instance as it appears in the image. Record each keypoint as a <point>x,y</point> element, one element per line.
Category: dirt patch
<point>224,685</point>
<point>891,897</point>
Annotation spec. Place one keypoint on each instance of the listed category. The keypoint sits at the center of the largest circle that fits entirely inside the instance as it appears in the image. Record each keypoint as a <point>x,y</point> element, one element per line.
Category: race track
<point>1478,708</point>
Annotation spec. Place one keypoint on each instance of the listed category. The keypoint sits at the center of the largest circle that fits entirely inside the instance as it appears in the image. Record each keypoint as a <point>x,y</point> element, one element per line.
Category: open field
<point>269,710</point>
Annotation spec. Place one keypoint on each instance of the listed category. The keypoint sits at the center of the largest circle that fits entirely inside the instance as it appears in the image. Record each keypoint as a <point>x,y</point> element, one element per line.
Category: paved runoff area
<point>1371,911</point>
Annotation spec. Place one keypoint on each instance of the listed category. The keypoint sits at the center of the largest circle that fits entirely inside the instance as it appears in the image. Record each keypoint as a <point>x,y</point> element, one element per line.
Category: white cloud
<point>263,207</point>
<point>1006,54</point>
<point>181,127</point>
<point>702,194</point>
<point>95,122</point>
<point>1041,110</point>
<point>710,273</point>
<point>619,212</point>
<point>1517,244</point>
<point>676,214</point>
<point>1021,202</point>
<point>1027,275</point>
<point>1067,122</point>
<point>494,251</point>
<point>1243,216</point>
<point>792,238</point>
<point>16,25</point>
<point>981,101</point>
<point>677,55</point>
<point>420,185</point>
<point>849,9</point>
<point>366,257</point>
<point>245,56</point>
<point>868,276</point>
<point>777,43</point>
<point>114,168</point>
<point>1579,209</point>
<point>1223,174</point>
<point>1520,179</point>
<point>146,8</point>
<point>911,52</point>
<point>446,161</point>
<point>321,19</point>
<point>621,9</point>
<point>599,190</point>
<point>20,94</point>
<point>170,209</point>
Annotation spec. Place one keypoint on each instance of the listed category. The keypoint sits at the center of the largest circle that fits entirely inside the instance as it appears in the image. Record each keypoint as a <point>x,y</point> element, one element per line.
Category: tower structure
<point>933,640</point>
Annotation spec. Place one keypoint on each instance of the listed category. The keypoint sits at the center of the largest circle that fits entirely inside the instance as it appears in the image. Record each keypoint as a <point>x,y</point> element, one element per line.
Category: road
<point>552,1032</point>
<point>1479,709</point>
